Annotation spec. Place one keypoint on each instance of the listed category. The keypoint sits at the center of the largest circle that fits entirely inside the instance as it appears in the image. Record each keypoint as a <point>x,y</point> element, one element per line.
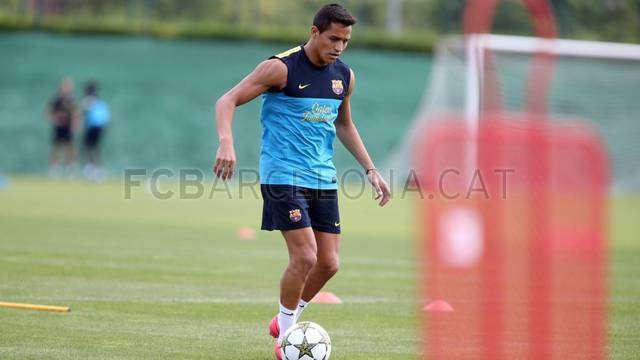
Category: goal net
<point>596,81</point>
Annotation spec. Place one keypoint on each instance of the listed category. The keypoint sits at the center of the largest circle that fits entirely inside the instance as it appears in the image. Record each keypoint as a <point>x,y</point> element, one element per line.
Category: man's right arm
<point>267,75</point>
<point>52,115</point>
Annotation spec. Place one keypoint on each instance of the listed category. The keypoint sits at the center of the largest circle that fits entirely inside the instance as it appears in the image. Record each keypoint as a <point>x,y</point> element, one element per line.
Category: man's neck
<point>313,55</point>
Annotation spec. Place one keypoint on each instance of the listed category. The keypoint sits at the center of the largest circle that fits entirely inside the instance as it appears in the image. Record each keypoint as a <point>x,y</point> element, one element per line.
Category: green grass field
<point>169,279</point>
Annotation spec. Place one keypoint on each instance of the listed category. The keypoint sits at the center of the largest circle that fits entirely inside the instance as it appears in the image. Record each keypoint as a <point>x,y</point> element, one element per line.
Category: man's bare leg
<point>70,159</point>
<point>55,170</point>
<point>324,269</point>
<point>301,244</point>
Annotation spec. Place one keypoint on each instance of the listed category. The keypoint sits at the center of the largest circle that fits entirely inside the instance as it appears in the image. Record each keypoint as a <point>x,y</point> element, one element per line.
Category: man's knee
<point>304,262</point>
<point>329,266</point>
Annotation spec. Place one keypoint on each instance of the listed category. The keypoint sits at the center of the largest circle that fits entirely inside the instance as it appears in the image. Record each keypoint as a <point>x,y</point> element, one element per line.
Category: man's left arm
<point>349,136</point>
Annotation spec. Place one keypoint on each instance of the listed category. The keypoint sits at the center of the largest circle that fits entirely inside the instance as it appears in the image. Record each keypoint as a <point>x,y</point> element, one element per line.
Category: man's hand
<point>56,117</point>
<point>225,160</point>
<point>380,186</point>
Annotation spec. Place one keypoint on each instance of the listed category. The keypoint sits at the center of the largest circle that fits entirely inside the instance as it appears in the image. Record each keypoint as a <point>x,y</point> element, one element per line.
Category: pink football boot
<point>278,352</point>
<point>274,329</point>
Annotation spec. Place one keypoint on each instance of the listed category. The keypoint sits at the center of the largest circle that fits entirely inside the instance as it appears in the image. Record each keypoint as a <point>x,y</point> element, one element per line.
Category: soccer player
<point>306,93</point>
<point>96,117</point>
<point>61,112</point>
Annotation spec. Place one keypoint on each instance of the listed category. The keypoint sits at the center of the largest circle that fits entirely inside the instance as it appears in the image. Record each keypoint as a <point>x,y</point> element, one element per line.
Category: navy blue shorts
<point>92,137</point>
<point>62,134</point>
<point>288,207</point>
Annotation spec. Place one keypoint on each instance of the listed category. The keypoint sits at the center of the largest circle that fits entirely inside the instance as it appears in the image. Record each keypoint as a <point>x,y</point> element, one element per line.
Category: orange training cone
<point>326,298</point>
<point>438,306</point>
<point>246,233</point>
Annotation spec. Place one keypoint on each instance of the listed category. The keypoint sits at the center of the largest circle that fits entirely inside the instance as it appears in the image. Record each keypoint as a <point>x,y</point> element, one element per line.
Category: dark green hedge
<point>414,42</point>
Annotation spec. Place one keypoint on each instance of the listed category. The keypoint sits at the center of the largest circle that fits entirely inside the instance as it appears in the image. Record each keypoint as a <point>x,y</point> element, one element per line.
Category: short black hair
<point>332,13</point>
<point>91,89</point>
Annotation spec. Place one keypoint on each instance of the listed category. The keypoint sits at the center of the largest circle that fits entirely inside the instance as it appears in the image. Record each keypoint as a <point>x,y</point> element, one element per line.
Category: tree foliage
<point>611,20</point>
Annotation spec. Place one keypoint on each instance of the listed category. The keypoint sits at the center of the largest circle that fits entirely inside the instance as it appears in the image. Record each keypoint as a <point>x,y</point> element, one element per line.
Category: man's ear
<point>314,31</point>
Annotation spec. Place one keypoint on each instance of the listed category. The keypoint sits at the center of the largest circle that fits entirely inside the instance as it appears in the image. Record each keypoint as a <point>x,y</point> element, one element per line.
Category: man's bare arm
<point>52,114</point>
<point>268,74</point>
<point>349,136</point>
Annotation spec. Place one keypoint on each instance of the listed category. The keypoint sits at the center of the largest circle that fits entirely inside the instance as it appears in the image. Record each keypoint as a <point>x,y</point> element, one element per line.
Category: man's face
<point>332,42</point>
<point>66,87</point>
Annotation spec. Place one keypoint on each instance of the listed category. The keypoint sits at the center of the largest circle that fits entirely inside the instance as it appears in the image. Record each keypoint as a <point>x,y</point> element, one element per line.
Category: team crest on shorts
<point>337,87</point>
<point>295,215</point>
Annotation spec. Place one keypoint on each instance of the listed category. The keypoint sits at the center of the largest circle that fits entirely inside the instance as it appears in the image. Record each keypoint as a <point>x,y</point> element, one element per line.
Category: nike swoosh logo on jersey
<point>301,87</point>
<point>337,224</point>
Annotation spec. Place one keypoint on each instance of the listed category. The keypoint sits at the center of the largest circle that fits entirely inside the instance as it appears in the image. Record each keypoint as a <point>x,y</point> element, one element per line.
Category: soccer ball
<point>305,341</point>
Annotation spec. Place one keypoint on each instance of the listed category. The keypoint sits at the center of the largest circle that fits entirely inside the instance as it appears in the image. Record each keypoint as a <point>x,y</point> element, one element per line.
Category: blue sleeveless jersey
<point>298,123</point>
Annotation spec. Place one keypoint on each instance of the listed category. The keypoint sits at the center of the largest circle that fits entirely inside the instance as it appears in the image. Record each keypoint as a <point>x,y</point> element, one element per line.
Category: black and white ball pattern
<point>306,341</point>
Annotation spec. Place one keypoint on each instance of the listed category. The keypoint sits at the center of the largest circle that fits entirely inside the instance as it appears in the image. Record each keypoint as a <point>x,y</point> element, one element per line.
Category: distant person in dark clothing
<point>96,117</point>
<point>61,113</point>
